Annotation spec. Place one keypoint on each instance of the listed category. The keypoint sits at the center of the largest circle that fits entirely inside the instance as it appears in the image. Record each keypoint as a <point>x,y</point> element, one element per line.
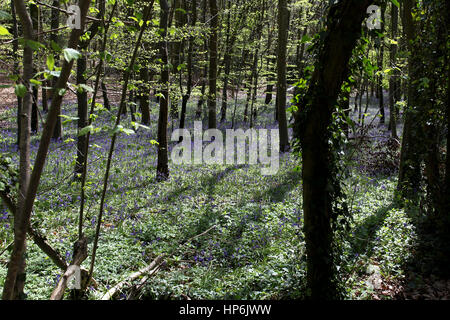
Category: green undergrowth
<point>228,232</point>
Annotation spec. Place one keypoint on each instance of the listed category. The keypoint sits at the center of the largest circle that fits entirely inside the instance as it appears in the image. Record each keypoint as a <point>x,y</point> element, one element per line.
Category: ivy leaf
<point>71,54</point>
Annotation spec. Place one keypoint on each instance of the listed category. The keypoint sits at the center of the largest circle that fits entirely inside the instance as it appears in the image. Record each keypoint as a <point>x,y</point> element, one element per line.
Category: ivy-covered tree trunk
<point>412,149</point>
<point>312,128</point>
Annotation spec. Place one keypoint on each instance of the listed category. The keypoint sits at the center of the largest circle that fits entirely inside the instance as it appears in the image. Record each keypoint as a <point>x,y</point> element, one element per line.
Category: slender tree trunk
<point>15,280</point>
<point>380,68</point>
<point>15,33</point>
<point>162,170</point>
<point>283,30</point>
<point>393,80</point>
<point>201,100</point>
<point>212,99</point>
<point>26,207</point>
<point>227,61</point>
<point>57,133</point>
<point>82,108</point>
<point>105,96</point>
<point>144,97</point>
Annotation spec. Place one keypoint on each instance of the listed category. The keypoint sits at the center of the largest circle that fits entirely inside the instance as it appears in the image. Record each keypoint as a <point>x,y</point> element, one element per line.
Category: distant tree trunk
<point>34,13</point>
<point>144,97</point>
<point>343,29</point>
<point>15,33</point>
<point>162,170</point>
<point>283,30</point>
<point>82,110</point>
<point>105,96</point>
<point>212,121</point>
<point>227,61</point>
<point>380,68</point>
<point>270,68</point>
<point>54,24</point>
<point>82,95</point>
<point>393,80</point>
<point>201,100</point>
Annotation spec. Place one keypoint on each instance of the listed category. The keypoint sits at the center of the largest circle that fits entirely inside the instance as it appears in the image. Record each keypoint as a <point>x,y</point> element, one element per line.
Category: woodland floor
<point>251,244</point>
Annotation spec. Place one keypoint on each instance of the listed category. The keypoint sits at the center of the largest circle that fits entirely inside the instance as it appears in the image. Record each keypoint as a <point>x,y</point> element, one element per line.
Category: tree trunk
<point>162,170</point>
<point>380,68</point>
<point>15,33</point>
<point>26,207</point>
<point>283,30</point>
<point>54,24</point>
<point>343,29</point>
<point>393,80</point>
<point>212,121</point>
<point>82,100</point>
<point>412,147</point>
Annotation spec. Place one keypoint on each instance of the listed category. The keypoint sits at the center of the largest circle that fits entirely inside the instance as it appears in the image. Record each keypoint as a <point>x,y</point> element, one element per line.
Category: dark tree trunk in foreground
<point>412,143</point>
<point>162,170</point>
<point>212,121</point>
<point>343,30</point>
<point>283,30</point>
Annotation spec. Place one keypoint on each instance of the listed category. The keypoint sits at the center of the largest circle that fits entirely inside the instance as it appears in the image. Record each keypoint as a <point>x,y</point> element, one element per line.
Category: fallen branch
<point>79,254</point>
<point>150,270</point>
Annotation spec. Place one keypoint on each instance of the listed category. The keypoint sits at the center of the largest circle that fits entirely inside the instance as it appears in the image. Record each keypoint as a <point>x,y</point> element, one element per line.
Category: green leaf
<point>4,31</point>
<point>20,90</point>
<point>71,54</point>
<point>84,87</point>
<point>5,15</point>
<point>395,2</point>
<point>55,46</point>
<point>86,130</point>
<point>34,45</point>
<point>36,82</point>
<point>50,62</point>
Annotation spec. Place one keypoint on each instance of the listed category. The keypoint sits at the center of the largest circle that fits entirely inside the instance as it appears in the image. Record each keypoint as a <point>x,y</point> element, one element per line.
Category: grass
<point>253,248</point>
